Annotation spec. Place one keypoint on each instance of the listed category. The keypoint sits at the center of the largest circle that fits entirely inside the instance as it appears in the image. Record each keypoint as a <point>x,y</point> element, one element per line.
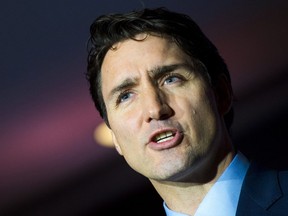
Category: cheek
<point>128,141</point>
<point>205,102</point>
<point>202,113</point>
<point>208,119</point>
<point>200,103</point>
<point>124,129</point>
<point>207,110</point>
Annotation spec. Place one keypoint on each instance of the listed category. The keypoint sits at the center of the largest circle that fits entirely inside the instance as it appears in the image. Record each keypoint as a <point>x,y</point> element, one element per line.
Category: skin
<point>151,87</point>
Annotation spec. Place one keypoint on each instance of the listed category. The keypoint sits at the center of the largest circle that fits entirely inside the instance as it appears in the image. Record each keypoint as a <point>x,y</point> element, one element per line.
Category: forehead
<point>143,43</point>
<point>142,51</point>
<point>134,58</point>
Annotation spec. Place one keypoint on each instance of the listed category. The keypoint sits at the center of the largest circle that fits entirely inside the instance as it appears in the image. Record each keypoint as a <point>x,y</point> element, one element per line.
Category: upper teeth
<point>164,136</point>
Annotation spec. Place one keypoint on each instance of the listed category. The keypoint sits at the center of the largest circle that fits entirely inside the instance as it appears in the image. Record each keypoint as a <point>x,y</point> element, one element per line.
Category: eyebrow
<point>127,83</point>
<point>160,70</point>
<point>155,73</point>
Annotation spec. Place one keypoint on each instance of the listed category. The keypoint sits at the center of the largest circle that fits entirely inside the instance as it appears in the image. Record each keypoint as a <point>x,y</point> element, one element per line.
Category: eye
<point>172,79</point>
<point>124,96</point>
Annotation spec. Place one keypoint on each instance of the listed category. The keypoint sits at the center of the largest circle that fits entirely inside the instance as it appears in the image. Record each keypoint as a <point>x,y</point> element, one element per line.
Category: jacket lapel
<point>259,191</point>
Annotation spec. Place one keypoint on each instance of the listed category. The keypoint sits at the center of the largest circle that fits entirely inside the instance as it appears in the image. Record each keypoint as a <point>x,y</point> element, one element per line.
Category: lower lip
<point>176,140</point>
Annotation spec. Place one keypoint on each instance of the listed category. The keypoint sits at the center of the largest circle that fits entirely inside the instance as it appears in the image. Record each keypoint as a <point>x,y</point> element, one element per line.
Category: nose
<point>155,104</point>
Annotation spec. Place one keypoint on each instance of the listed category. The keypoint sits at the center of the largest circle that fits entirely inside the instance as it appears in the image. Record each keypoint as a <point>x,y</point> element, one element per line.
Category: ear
<point>224,94</point>
<point>117,146</point>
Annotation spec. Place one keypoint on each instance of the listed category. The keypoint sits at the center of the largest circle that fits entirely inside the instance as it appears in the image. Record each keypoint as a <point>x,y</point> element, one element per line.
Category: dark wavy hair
<point>109,29</point>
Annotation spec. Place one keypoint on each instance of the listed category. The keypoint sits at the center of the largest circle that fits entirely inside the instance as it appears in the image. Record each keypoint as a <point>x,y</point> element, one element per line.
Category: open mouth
<point>162,137</point>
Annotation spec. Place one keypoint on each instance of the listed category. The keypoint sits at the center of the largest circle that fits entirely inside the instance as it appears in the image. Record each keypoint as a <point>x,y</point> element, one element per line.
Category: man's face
<point>162,112</point>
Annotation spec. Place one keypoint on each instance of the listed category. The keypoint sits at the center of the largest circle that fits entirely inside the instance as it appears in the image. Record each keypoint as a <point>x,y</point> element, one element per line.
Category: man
<point>165,92</point>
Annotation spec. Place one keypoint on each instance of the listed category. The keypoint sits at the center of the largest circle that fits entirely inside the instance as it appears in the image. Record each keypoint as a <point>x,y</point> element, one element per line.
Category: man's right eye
<point>124,96</point>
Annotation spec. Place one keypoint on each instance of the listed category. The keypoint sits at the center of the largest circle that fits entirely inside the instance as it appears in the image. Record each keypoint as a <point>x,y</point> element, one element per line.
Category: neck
<point>186,196</point>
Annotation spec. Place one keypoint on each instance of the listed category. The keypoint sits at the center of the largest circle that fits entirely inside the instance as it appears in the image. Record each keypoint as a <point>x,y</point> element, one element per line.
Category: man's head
<point>164,91</point>
<point>108,30</point>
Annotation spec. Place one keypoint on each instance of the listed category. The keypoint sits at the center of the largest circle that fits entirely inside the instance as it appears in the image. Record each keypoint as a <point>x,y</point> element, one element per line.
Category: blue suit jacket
<point>264,192</point>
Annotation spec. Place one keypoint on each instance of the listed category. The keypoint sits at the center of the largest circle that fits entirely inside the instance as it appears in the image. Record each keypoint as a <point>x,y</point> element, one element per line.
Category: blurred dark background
<point>50,163</point>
